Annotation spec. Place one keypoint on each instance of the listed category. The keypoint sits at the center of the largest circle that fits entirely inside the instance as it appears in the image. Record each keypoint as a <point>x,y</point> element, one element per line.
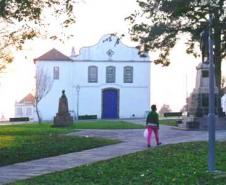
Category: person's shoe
<point>149,146</point>
<point>159,144</point>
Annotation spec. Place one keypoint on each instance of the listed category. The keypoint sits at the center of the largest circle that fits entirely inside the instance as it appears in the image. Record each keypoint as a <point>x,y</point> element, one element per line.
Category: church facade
<point>109,80</point>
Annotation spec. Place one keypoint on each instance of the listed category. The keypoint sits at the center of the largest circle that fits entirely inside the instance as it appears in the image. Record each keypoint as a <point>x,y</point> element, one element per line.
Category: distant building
<point>26,107</point>
<point>109,80</point>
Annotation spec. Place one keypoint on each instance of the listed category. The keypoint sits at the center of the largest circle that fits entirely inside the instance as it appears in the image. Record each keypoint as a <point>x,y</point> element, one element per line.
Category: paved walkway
<point>132,141</point>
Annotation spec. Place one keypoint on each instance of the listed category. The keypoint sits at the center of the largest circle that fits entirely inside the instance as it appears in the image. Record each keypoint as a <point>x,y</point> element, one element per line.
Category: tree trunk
<point>37,112</point>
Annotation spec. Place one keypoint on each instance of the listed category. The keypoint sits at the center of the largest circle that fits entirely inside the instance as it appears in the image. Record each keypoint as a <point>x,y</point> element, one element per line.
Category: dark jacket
<point>153,118</point>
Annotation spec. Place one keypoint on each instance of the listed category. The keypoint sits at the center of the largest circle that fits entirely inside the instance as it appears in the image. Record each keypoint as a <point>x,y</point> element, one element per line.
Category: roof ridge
<point>28,98</point>
<point>53,55</point>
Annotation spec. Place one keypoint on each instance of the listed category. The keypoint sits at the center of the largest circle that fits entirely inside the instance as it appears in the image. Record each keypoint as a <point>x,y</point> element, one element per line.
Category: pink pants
<point>156,131</point>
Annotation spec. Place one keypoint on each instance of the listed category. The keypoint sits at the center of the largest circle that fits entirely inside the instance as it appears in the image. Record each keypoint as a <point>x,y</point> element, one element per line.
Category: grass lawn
<point>104,124</point>
<point>33,141</point>
<point>179,164</point>
<point>23,142</point>
<point>169,122</point>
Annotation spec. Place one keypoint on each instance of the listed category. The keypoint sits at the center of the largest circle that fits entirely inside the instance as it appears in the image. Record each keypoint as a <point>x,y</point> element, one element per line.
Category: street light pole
<point>77,89</point>
<point>211,114</point>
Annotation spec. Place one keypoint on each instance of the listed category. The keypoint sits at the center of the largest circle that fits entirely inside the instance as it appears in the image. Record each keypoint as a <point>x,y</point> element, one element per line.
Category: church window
<point>110,74</point>
<point>128,74</point>
<point>56,73</point>
<point>92,74</point>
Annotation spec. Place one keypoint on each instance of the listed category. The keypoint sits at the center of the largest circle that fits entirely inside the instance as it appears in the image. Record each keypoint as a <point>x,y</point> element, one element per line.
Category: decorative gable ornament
<point>110,53</point>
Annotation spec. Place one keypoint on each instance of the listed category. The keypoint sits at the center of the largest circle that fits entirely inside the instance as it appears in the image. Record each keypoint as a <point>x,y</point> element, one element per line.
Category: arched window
<point>92,74</point>
<point>128,74</point>
<point>110,74</point>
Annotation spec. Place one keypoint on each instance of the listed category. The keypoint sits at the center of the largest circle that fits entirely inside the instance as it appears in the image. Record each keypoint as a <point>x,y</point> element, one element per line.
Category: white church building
<point>109,80</point>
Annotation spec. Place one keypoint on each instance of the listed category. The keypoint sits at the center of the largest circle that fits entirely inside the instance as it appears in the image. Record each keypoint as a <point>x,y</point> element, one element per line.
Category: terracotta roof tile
<point>53,55</point>
<point>29,99</point>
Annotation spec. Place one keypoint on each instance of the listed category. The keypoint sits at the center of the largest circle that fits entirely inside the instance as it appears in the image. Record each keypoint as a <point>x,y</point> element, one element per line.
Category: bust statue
<point>63,104</point>
<point>63,117</point>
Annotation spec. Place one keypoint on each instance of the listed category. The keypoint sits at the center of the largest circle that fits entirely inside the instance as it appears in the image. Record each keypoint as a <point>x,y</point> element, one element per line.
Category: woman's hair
<point>153,107</point>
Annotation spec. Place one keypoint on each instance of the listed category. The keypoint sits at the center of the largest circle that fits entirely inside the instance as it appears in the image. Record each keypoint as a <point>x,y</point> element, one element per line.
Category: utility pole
<point>211,114</point>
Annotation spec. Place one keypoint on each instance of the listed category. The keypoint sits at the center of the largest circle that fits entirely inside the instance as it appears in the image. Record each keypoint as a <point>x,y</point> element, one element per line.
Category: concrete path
<point>132,141</point>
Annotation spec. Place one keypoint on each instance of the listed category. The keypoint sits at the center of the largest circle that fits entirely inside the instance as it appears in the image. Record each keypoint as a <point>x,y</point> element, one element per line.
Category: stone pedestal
<point>201,123</point>
<point>63,117</point>
<point>63,120</point>
<point>198,102</point>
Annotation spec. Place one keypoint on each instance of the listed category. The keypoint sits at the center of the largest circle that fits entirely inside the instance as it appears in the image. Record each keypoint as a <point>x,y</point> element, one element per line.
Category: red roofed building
<point>26,107</point>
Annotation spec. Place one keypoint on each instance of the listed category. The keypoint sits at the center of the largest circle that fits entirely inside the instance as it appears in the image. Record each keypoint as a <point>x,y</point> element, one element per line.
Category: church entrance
<point>110,103</point>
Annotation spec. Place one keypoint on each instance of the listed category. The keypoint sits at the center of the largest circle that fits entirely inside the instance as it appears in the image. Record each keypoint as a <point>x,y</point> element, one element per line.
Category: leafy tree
<point>165,108</point>
<point>160,23</point>
<point>22,20</point>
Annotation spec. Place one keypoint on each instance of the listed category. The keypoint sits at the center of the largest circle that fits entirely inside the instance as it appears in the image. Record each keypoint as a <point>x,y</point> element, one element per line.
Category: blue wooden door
<point>110,104</point>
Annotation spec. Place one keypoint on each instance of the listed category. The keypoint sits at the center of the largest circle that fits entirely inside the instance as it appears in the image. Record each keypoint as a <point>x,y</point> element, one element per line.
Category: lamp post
<point>77,90</point>
<point>211,114</point>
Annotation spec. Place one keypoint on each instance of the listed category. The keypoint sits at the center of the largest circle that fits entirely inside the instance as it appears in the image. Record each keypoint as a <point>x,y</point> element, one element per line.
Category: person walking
<point>152,124</point>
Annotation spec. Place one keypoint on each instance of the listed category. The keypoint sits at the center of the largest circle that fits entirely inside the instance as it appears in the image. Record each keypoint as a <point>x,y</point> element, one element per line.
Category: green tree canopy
<point>22,20</point>
<point>160,23</point>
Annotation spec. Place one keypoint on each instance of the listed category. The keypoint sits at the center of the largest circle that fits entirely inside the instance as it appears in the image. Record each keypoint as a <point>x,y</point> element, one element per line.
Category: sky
<point>94,18</point>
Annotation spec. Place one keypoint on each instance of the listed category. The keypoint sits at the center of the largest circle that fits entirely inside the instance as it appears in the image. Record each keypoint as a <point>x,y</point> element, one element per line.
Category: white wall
<point>48,106</point>
<point>136,94</point>
<point>136,103</point>
<point>134,97</point>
